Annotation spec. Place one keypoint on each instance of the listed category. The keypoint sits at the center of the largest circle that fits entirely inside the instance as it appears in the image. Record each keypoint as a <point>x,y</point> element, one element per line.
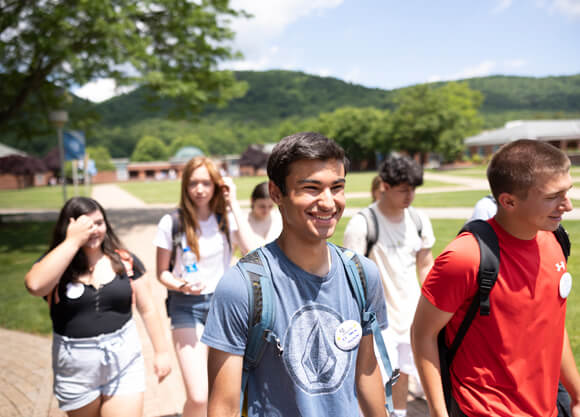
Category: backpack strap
<point>563,239</point>
<point>370,217</point>
<point>417,220</point>
<point>175,236</point>
<point>486,277</point>
<point>258,277</point>
<point>222,228</point>
<point>358,282</point>
<point>372,228</point>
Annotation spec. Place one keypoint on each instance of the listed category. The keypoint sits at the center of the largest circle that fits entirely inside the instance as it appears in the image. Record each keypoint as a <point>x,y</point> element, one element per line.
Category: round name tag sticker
<point>565,285</point>
<point>348,335</point>
<point>74,290</point>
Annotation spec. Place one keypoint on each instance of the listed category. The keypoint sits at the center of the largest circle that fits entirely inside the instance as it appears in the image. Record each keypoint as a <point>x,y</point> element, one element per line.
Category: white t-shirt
<point>214,250</point>
<point>484,209</point>
<point>395,254</point>
<point>266,230</point>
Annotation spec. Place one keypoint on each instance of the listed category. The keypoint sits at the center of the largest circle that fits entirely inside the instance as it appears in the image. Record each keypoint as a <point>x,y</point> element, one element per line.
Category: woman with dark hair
<point>264,222</point>
<point>207,220</point>
<point>90,282</point>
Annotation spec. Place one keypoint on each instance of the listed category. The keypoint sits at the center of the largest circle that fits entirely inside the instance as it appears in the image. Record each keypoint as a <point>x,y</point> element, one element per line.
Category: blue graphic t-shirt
<point>313,376</point>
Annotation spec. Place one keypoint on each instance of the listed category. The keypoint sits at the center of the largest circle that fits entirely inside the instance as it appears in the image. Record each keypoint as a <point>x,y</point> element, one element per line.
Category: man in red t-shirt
<point>509,362</point>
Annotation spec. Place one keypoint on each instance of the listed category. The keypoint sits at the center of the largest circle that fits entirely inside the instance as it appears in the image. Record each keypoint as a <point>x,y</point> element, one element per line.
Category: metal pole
<point>61,152</point>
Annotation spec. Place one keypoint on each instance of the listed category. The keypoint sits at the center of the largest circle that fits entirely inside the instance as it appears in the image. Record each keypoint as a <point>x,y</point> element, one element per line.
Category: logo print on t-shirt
<point>312,359</point>
<point>319,361</point>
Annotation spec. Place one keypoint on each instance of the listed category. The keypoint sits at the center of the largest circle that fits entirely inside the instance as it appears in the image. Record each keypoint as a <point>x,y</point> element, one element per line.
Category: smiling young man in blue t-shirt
<point>312,298</point>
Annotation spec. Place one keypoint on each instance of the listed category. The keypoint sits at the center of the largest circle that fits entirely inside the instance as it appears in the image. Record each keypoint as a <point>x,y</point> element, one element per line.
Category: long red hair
<point>188,210</point>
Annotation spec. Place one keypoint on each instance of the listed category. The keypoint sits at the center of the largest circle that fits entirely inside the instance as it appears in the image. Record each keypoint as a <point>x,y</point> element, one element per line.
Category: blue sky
<point>396,43</point>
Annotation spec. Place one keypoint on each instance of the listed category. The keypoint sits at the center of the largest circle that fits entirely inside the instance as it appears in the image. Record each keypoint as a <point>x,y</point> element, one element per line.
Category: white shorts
<point>400,355</point>
<point>86,368</point>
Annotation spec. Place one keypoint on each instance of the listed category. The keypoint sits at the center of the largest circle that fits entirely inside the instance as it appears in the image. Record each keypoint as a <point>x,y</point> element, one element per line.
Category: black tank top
<point>84,311</point>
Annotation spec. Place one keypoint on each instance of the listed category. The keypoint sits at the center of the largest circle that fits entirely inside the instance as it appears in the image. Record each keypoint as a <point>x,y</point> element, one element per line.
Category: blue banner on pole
<point>74,145</point>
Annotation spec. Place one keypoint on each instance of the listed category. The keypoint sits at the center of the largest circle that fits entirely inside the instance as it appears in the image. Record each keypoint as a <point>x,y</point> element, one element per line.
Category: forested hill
<point>276,95</point>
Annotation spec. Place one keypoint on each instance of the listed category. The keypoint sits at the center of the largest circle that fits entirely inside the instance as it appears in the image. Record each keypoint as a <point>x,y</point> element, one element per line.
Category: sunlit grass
<point>47,197</point>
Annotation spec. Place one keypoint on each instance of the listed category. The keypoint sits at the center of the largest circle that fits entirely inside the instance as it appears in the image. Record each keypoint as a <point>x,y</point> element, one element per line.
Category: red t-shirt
<point>509,362</point>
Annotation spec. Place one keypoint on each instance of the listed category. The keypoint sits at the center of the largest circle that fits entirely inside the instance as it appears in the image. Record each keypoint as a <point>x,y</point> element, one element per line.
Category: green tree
<point>101,156</point>
<point>171,46</point>
<point>187,140</point>
<point>430,119</point>
<point>360,131</point>
<point>149,148</point>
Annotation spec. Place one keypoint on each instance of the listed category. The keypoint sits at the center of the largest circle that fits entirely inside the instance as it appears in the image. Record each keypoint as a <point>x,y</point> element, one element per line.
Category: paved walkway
<point>25,372</point>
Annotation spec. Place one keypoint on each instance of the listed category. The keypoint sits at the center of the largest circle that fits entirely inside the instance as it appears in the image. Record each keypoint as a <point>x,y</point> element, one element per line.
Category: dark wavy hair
<point>302,146</point>
<point>397,170</point>
<point>74,208</point>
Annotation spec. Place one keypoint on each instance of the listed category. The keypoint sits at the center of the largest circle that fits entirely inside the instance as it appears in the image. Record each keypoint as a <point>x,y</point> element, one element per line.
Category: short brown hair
<point>518,165</point>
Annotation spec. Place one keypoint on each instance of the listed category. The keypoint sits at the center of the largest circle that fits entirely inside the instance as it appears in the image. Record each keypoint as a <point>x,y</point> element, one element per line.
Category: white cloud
<point>100,90</point>
<point>570,8</point>
<point>515,63</point>
<point>501,6</point>
<point>270,19</point>
<point>481,70</point>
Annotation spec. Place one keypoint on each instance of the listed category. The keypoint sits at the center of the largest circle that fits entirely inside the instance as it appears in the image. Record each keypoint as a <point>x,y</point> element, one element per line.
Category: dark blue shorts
<point>187,311</point>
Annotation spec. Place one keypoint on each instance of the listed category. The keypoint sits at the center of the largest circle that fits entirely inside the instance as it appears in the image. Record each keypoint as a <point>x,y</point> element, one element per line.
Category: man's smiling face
<point>314,200</point>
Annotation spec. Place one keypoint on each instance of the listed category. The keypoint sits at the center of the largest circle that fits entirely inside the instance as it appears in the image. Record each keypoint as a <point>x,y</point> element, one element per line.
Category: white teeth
<point>324,217</point>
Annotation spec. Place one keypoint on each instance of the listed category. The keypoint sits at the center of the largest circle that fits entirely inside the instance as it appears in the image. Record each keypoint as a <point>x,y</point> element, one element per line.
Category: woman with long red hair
<point>207,219</point>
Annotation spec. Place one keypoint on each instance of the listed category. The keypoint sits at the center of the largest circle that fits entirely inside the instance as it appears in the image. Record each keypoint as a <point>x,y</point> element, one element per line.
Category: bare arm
<point>425,261</point>
<point>245,236</point>
<point>152,321</point>
<point>369,384</point>
<point>45,274</point>
<point>164,275</point>
<point>225,379</point>
<point>570,377</point>
<point>428,321</point>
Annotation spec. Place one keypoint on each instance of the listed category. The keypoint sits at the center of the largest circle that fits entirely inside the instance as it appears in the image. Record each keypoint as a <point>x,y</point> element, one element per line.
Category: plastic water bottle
<point>189,263</point>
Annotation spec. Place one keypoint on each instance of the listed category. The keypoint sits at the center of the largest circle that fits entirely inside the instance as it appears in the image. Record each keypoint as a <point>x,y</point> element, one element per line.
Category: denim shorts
<point>86,368</point>
<point>187,311</point>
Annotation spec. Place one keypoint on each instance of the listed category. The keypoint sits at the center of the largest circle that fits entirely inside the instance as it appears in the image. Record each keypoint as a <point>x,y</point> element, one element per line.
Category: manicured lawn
<point>477,171</point>
<point>446,199</point>
<point>38,197</point>
<point>20,245</point>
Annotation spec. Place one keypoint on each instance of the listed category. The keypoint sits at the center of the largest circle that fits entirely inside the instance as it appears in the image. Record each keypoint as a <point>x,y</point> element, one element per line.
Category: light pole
<point>59,118</point>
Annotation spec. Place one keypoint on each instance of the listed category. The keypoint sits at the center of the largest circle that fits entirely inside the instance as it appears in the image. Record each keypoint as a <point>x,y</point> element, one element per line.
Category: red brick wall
<point>104,176</point>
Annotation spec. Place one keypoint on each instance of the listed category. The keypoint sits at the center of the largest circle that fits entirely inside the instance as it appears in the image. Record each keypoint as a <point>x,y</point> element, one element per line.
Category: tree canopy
<point>430,119</point>
<point>149,148</point>
<point>171,46</point>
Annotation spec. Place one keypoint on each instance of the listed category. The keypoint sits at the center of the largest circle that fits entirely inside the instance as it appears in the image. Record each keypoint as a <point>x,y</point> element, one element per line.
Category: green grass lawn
<point>477,171</point>
<point>446,199</point>
<point>38,197</point>
<point>22,243</point>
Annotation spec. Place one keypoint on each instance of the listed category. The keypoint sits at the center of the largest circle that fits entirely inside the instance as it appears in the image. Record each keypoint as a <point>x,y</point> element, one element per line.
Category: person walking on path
<point>205,229</point>
<point>89,281</point>
<point>401,248</point>
<point>510,360</point>
<point>311,374</point>
<point>265,223</point>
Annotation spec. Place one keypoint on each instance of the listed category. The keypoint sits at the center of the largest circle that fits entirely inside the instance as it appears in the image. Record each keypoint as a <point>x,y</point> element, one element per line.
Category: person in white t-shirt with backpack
<point>398,238</point>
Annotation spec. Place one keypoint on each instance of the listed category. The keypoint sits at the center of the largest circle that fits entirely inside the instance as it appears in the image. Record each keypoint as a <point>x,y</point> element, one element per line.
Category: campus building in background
<point>564,134</point>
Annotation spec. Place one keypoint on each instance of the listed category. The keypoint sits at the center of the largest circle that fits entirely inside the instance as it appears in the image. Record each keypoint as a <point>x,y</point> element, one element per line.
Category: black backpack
<point>486,278</point>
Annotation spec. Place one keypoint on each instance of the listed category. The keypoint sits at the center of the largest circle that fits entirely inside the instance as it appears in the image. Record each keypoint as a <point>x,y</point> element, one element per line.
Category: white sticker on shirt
<point>74,290</point>
<point>565,285</point>
<point>348,335</point>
